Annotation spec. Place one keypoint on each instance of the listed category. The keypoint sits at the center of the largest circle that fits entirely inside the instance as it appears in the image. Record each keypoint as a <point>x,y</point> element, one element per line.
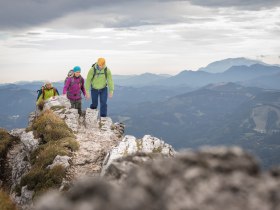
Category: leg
<point>73,106</point>
<point>94,99</point>
<point>79,106</point>
<point>103,102</point>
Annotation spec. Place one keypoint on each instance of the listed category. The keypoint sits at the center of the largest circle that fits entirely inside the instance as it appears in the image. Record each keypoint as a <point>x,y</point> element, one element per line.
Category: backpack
<point>94,72</point>
<point>42,91</point>
<point>70,74</point>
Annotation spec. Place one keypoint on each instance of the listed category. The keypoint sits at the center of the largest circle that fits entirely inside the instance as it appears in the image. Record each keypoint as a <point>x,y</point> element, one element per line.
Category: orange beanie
<point>101,61</point>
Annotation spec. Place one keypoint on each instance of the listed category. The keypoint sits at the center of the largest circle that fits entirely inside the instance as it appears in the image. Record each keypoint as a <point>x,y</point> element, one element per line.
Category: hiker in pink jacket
<point>74,86</point>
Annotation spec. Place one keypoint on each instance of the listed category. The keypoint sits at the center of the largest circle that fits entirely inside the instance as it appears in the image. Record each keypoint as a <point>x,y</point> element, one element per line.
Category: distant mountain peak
<point>223,65</point>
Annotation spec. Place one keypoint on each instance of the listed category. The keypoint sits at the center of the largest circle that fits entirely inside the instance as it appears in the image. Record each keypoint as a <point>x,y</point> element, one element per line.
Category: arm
<point>110,81</point>
<point>83,87</point>
<point>39,99</point>
<point>88,81</point>
<point>56,93</point>
<point>66,86</point>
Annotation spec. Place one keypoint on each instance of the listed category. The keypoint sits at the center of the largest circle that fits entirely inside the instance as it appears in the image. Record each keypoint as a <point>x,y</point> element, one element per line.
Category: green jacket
<point>48,94</point>
<point>99,80</point>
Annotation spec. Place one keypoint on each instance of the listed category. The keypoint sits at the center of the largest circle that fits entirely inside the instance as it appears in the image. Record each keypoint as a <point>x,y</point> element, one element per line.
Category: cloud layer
<point>159,36</point>
<point>16,14</point>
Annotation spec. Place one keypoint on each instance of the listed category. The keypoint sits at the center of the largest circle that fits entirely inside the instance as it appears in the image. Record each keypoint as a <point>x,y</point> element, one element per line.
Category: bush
<point>5,202</point>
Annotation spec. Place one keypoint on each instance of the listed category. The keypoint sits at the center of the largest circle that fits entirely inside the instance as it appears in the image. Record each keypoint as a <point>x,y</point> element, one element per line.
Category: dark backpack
<point>42,91</point>
<point>94,72</point>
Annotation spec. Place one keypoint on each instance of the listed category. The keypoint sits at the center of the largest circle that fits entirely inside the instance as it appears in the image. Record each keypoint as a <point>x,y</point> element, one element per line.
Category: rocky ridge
<point>96,138</point>
<point>208,179</point>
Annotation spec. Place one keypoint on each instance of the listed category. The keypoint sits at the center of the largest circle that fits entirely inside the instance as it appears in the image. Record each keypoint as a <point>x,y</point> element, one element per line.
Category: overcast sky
<point>43,39</point>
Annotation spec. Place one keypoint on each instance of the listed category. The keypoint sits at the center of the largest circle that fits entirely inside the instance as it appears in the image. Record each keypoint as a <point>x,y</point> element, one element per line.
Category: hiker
<point>73,87</point>
<point>99,76</point>
<point>47,91</point>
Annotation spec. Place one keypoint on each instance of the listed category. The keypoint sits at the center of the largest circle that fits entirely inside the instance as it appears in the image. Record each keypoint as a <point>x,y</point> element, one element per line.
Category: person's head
<point>77,71</point>
<point>101,63</point>
<point>48,85</point>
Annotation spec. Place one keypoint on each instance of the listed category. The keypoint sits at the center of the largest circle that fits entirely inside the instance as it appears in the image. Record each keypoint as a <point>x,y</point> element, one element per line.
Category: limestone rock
<point>18,157</point>
<point>25,200</point>
<point>57,101</point>
<point>60,160</point>
<point>91,118</point>
<point>17,132</point>
<point>29,142</point>
<point>209,179</point>
<point>72,119</point>
<point>130,145</point>
<point>119,169</point>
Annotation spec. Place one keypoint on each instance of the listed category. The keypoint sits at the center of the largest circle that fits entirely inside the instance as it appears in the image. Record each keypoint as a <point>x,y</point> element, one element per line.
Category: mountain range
<point>224,114</point>
<point>236,106</point>
<point>223,65</point>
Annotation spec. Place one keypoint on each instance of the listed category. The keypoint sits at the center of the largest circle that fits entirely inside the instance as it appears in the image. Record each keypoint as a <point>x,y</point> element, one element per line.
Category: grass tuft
<point>50,127</point>
<point>5,202</point>
<point>6,141</point>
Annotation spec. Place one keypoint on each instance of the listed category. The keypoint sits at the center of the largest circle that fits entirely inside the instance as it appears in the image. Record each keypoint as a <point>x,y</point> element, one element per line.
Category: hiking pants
<point>103,94</point>
<point>77,104</point>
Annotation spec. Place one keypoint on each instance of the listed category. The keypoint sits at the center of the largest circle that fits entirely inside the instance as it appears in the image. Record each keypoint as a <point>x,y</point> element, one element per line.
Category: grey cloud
<point>241,4</point>
<point>16,14</point>
<point>132,14</point>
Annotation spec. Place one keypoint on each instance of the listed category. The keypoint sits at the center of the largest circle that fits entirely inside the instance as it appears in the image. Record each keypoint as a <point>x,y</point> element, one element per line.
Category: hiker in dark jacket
<point>74,87</point>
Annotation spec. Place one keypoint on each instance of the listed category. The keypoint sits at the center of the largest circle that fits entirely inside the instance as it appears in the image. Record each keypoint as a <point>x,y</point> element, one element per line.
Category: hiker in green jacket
<point>99,76</point>
<point>48,91</point>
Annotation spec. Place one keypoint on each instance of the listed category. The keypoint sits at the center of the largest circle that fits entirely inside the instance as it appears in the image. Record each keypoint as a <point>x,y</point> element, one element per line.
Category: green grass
<point>6,141</point>
<point>50,127</point>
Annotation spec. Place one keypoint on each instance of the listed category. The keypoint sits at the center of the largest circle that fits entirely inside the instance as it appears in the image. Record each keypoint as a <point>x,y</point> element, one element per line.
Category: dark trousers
<point>77,105</point>
<point>103,95</point>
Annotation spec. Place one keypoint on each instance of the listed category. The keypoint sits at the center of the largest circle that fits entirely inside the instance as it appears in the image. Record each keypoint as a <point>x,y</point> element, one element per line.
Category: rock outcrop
<point>96,137</point>
<point>130,145</point>
<point>18,160</point>
<point>212,178</point>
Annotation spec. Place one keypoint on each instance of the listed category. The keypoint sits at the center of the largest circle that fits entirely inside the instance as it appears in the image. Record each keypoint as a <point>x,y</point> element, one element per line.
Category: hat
<point>101,61</point>
<point>76,69</point>
<point>47,83</point>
